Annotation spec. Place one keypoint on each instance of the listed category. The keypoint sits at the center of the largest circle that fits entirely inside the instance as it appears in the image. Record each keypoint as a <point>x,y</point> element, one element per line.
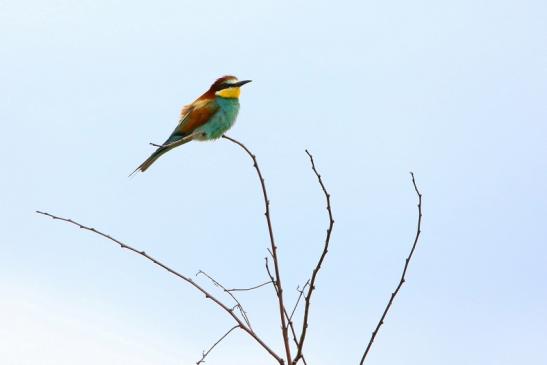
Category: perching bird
<point>207,118</point>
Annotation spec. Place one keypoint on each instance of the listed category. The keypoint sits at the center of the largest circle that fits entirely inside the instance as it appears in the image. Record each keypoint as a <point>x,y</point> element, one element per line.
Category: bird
<point>206,118</point>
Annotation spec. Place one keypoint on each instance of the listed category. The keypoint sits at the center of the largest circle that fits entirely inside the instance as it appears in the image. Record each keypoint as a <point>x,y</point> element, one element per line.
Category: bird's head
<point>228,86</point>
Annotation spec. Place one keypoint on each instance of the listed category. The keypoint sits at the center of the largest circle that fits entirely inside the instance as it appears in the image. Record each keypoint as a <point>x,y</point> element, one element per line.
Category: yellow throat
<point>231,93</point>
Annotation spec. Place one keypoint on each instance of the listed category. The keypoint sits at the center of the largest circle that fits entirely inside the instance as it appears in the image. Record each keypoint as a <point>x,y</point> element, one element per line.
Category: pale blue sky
<point>455,91</point>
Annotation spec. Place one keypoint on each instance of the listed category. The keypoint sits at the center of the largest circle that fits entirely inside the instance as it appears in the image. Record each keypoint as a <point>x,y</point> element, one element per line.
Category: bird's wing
<point>195,115</point>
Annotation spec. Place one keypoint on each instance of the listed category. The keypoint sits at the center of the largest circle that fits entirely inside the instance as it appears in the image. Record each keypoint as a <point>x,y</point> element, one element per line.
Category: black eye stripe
<point>225,86</point>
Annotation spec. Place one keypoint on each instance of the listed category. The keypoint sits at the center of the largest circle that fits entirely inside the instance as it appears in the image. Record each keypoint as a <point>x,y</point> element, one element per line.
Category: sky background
<point>455,91</point>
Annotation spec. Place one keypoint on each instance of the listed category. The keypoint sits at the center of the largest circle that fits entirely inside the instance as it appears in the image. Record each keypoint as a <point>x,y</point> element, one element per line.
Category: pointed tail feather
<point>159,152</point>
<point>150,160</point>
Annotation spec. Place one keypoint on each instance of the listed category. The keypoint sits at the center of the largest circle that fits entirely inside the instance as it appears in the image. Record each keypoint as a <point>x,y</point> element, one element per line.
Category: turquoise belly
<point>222,120</point>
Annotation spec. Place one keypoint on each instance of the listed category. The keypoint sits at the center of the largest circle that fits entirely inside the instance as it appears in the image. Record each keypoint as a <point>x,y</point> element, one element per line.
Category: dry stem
<point>307,299</point>
<point>402,281</point>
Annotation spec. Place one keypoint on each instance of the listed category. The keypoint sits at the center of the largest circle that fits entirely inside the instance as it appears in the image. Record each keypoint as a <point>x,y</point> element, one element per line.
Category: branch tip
<point>402,280</point>
<point>315,271</point>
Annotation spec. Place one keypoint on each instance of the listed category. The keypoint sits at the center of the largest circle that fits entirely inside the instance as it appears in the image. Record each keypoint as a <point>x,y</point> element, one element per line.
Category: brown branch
<point>243,312</point>
<point>172,271</point>
<point>205,353</point>
<point>402,281</point>
<point>307,299</point>
<point>279,290</point>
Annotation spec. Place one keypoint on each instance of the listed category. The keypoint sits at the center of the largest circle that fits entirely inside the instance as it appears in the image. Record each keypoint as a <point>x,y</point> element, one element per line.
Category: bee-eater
<point>207,118</point>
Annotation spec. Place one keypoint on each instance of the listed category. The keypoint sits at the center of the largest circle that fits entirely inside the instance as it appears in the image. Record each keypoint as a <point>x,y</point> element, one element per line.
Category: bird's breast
<point>223,119</point>
<point>229,106</point>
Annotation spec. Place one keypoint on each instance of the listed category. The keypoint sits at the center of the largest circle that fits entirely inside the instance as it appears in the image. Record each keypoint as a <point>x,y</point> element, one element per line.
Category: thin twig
<point>307,299</point>
<point>301,291</point>
<point>177,142</point>
<point>251,288</point>
<point>282,310</point>
<point>172,271</point>
<point>241,309</point>
<point>402,281</point>
<point>205,353</point>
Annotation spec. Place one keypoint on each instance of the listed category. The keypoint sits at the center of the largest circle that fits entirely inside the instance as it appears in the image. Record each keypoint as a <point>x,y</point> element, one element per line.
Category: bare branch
<point>243,312</point>
<point>172,271</point>
<point>251,288</point>
<point>402,281</point>
<point>307,299</point>
<point>205,353</point>
<point>279,290</point>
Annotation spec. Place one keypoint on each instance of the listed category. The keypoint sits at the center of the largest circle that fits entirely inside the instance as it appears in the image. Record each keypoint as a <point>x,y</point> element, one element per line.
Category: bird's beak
<point>241,83</point>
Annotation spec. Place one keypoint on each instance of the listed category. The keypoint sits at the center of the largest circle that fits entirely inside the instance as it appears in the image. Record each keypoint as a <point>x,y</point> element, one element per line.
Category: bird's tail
<point>158,153</point>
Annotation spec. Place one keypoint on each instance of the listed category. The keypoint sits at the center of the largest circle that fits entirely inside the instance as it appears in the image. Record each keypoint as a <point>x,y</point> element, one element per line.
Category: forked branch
<point>238,304</point>
<point>208,295</point>
<point>402,280</point>
<point>305,296</point>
